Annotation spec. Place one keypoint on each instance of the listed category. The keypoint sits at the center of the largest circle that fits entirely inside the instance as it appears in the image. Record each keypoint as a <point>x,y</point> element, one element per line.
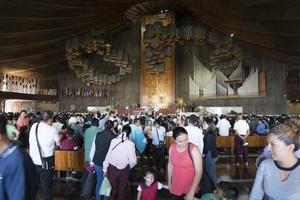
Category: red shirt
<point>67,144</point>
<point>183,170</point>
<point>149,193</point>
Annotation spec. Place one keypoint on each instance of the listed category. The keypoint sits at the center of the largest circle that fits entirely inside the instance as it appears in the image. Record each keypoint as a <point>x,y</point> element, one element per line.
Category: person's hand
<point>189,196</point>
<point>92,163</point>
<point>106,174</point>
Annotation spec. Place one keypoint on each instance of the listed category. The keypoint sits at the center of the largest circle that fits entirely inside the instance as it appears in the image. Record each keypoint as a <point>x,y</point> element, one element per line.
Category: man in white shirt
<point>47,137</point>
<point>158,142</point>
<point>242,131</point>
<point>119,159</point>
<point>195,134</point>
<point>223,126</point>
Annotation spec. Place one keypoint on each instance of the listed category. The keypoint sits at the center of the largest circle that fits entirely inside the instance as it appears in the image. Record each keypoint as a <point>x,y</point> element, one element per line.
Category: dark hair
<point>108,124</point>
<point>25,111</point>
<point>228,190</point>
<point>64,126</point>
<point>179,131</point>
<point>127,130</point>
<point>2,125</point>
<point>193,119</point>
<point>136,120</point>
<point>71,132</point>
<point>9,117</point>
<point>157,121</point>
<point>95,122</point>
<point>148,171</point>
<point>46,115</point>
<point>289,132</point>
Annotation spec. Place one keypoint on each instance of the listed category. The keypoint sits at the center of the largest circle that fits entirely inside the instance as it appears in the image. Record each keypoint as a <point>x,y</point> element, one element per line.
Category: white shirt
<point>58,126</point>
<point>122,155</point>
<point>223,126</point>
<point>241,126</point>
<point>47,136</point>
<point>159,186</point>
<point>158,135</point>
<point>195,136</point>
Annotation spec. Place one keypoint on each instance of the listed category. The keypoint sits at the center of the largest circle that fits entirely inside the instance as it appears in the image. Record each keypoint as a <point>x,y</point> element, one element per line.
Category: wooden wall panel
<point>157,89</point>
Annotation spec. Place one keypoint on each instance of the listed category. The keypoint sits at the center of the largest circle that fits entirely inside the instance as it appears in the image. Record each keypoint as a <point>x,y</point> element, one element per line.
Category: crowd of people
<point>112,144</point>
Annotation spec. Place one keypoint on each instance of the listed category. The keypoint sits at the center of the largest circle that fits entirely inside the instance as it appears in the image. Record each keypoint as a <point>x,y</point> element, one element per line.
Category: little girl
<point>148,189</point>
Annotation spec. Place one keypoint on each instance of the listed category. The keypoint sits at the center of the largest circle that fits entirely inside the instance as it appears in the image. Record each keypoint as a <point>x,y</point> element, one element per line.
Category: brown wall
<point>126,91</point>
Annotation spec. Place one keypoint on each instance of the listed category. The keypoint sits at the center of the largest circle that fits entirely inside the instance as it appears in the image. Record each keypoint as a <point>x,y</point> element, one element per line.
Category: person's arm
<point>160,186</point>
<point>257,192</point>
<point>93,150</point>
<point>56,137</point>
<point>247,134</point>
<point>170,170</point>
<point>17,133</point>
<point>139,195</point>
<point>132,156</point>
<point>15,183</point>
<point>107,157</point>
<point>198,173</point>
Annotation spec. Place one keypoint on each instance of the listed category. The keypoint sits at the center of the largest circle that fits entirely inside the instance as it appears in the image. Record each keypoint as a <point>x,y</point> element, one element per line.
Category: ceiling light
<point>231,35</point>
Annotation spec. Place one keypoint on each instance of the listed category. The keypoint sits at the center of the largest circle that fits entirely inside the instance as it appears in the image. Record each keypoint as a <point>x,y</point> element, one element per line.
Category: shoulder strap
<point>190,155</point>
<point>119,142</point>
<point>157,135</point>
<point>37,141</point>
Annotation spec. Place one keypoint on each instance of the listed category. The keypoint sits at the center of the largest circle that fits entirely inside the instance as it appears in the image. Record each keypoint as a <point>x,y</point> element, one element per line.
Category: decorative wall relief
<point>95,61</point>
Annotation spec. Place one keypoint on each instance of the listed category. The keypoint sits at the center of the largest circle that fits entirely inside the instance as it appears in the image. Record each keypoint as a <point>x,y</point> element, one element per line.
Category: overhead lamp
<point>232,35</point>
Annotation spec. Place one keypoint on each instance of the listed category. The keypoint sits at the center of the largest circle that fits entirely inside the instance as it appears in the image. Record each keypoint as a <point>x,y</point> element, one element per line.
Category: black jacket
<point>102,143</point>
<point>210,144</point>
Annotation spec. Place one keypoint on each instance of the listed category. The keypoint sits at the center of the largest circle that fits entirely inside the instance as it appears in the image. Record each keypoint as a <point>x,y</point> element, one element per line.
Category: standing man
<point>89,136</point>
<point>43,146</point>
<point>223,126</point>
<point>17,172</point>
<point>195,134</point>
<point>98,153</point>
<point>242,131</point>
<point>159,136</point>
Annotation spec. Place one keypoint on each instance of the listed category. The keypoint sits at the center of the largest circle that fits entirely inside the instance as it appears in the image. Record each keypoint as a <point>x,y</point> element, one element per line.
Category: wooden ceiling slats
<point>32,31</point>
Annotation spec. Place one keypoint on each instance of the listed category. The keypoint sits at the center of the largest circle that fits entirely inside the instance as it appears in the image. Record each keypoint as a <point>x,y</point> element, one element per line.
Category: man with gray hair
<point>42,140</point>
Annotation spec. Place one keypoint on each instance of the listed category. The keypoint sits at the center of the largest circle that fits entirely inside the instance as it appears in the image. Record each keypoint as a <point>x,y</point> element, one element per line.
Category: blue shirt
<point>138,138</point>
<point>158,134</point>
<point>261,129</point>
<point>17,174</point>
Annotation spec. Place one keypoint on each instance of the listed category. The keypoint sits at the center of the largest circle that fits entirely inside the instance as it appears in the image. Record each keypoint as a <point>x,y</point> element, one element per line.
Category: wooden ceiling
<point>33,32</point>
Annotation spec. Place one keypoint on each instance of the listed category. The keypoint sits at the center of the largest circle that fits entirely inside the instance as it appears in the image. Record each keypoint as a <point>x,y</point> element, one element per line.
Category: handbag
<point>47,162</point>
<point>206,184</point>
<point>105,188</point>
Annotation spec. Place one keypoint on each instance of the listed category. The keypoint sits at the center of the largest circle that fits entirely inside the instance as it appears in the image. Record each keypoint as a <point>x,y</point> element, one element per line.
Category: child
<point>148,189</point>
<point>224,191</point>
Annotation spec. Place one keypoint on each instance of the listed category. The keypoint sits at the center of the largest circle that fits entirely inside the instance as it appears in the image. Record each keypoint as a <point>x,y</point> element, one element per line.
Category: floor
<point>241,176</point>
